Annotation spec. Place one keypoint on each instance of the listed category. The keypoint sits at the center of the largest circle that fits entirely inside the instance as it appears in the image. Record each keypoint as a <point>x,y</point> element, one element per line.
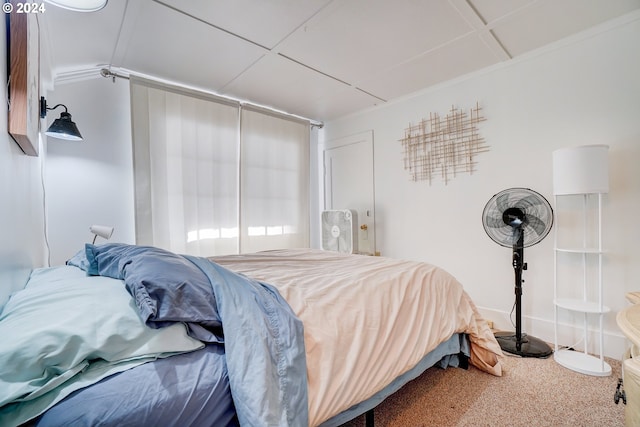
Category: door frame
<point>369,217</point>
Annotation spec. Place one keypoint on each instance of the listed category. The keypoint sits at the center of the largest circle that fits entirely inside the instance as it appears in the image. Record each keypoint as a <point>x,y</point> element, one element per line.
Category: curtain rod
<point>105,72</point>
<point>108,73</point>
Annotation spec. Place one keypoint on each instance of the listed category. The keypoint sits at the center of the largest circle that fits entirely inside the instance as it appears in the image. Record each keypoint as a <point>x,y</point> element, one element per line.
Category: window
<point>213,177</point>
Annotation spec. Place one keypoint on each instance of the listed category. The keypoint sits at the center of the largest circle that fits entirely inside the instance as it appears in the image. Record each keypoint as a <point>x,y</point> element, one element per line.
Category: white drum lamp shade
<point>581,170</point>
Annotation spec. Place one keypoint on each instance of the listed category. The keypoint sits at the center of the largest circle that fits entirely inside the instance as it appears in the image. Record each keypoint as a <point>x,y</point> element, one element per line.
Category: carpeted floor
<point>531,392</point>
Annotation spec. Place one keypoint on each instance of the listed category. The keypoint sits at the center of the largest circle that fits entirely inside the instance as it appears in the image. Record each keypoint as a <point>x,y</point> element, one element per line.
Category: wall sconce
<point>63,127</point>
<point>104,231</point>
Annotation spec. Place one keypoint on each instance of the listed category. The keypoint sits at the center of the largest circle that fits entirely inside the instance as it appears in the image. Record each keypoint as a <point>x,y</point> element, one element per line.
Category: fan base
<point>528,347</point>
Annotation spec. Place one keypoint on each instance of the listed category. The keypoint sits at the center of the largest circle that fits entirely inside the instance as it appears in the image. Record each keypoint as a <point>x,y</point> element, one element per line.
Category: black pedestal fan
<point>518,218</point>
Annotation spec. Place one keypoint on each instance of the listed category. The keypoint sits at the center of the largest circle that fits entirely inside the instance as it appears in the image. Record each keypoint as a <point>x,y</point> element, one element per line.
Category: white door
<point>348,181</point>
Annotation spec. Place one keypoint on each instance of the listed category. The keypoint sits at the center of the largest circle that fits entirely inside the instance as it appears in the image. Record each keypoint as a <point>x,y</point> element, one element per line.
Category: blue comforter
<point>263,338</point>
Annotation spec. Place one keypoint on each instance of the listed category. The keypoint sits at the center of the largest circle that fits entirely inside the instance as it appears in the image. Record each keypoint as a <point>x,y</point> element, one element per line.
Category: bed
<point>284,338</point>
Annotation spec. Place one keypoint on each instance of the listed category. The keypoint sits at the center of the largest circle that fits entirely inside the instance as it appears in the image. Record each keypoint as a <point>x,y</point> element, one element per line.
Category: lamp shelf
<point>581,306</point>
<point>582,362</point>
<point>584,172</point>
<point>595,251</point>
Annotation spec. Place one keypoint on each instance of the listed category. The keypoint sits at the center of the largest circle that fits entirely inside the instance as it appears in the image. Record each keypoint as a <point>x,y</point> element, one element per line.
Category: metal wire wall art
<point>443,146</point>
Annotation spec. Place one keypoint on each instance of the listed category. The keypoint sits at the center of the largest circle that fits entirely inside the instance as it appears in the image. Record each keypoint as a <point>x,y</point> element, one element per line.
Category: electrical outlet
<point>489,323</point>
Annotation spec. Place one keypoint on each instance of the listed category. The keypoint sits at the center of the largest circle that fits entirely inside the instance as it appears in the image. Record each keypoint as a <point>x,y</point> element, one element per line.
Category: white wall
<point>21,211</point>
<point>584,90</point>
<point>90,181</point>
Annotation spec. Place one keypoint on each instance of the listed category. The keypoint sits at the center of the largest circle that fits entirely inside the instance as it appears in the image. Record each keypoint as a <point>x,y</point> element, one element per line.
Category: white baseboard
<point>615,343</point>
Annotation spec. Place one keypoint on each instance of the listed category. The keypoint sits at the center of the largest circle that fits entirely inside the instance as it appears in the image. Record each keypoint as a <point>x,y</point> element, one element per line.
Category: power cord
<point>44,212</point>
<point>511,315</point>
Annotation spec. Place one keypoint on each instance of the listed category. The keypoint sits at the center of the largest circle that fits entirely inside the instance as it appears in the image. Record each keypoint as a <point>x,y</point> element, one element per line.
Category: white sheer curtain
<point>274,191</point>
<point>188,169</point>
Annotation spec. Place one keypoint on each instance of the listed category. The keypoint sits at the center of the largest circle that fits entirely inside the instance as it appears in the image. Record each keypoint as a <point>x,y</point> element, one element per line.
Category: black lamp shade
<point>64,128</point>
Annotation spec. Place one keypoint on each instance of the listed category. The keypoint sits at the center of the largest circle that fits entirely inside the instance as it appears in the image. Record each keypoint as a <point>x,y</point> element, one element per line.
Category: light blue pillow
<point>49,275</point>
<point>54,329</point>
<point>79,260</point>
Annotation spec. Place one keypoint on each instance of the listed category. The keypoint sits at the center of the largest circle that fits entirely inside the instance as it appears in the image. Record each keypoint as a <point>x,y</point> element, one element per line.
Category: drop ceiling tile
<point>167,44</point>
<point>70,38</point>
<point>290,87</point>
<point>340,103</point>
<point>263,22</point>
<point>493,10</point>
<point>456,59</point>
<point>547,21</point>
<point>351,39</point>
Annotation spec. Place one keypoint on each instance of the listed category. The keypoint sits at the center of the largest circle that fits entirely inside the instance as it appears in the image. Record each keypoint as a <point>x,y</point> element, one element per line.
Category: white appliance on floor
<point>340,230</point>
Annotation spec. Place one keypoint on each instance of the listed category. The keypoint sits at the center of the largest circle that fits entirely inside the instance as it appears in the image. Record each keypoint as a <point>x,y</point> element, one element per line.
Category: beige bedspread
<point>367,319</point>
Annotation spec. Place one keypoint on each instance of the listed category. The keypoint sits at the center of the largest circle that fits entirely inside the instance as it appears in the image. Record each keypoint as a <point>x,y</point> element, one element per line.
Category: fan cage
<point>339,230</point>
<point>537,216</point>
